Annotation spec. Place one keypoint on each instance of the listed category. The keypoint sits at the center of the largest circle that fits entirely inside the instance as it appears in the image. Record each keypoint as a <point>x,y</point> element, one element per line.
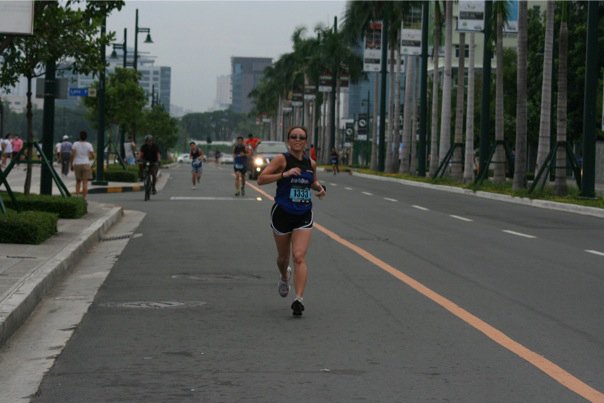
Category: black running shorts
<point>283,222</point>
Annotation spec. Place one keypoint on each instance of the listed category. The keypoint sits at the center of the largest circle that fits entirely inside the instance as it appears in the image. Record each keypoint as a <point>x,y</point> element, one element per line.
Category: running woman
<point>196,156</point>
<point>240,166</point>
<point>291,215</point>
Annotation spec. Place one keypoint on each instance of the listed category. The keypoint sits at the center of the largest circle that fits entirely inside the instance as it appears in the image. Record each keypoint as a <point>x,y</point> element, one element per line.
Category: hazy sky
<point>198,38</point>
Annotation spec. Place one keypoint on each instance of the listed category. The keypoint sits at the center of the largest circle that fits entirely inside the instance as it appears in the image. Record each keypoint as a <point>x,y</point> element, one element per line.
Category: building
<point>246,73</point>
<point>223,93</point>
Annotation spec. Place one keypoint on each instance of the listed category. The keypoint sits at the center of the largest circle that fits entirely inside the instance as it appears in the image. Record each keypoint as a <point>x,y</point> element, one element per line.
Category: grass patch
<point>28,227</point>
<point>69,207</point>
<point>505,188</point>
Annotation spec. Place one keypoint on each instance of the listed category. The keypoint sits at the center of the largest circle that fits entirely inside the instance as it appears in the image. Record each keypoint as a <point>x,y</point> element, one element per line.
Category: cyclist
<point>240,166</point>
<point>291,215</point>
<point>196,156</point>
<point>149,152</point>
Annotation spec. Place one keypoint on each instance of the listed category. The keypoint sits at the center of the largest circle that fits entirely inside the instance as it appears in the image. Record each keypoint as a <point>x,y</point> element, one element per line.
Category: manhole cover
<point>153,304</point>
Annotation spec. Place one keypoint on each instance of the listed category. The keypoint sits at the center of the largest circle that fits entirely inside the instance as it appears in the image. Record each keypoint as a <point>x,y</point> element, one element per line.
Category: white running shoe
<point>284,285</point>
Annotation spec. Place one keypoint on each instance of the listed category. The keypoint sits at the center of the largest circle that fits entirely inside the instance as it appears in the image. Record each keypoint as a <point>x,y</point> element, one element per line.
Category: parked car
<point>263,154</point>
<point>226,158</point>
<point>183,158</point>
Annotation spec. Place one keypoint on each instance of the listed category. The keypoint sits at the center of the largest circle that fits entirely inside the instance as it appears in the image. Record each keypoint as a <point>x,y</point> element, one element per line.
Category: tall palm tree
<point>456,168</point>
<point>408,114</point>
<point>468,172</point>
<point>435,89</point>
<point>560,187</point>
<point>546,88</point>
<point>519,181</point>
<point>500,8</point>
<point>445,116</point>
<point>397,109</point>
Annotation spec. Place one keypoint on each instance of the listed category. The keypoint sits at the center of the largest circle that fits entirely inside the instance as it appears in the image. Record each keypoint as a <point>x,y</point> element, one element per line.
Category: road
<point>413,295</point>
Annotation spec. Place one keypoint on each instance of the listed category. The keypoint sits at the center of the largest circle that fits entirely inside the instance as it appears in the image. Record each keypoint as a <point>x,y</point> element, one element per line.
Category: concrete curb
<point>116,189</point>
<point>547,204</point>
<point>23,298</point>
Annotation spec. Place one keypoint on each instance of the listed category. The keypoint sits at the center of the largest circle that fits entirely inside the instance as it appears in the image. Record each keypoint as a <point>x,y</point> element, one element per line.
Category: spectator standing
<point>17,146</point>
<point>82,155</point>
<point>66,147</point>
<point>6,147</point>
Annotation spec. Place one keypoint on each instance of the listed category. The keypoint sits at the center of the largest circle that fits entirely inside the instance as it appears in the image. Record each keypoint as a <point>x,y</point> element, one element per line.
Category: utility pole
<point>334,82</point>
<point>423,89</point>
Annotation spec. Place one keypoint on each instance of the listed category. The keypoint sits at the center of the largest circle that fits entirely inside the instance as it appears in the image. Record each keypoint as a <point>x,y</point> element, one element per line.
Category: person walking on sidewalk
<point>65,155</point>
<point>196,156</point>
<point>240,166</point>
<point>6,149</point>
<point>82,155</point>
<point>291,215</point>
<point>334,160</point>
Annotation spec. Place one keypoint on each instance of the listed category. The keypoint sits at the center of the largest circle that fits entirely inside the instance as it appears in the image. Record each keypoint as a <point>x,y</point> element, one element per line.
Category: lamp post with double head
<point>124,48</point>
<point>138,30</point>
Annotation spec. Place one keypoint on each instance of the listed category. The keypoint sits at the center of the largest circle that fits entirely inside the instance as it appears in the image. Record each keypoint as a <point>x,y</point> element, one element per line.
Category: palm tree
<point>397,108</point>
<point>468,172</point>
<point>546,88</point>
<point>445,117</point>
<point>456,168</point>
<point>500,8</point>
<point>435,89</point>
<point>560,187</point>
<point>519,181</point>
<point>408,114</point>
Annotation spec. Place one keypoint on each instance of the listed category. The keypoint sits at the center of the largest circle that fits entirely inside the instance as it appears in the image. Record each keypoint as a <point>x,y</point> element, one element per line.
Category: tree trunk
<point>374,126</point>
<point>468,173</point>
<point>407,116</point>
<point>546,88</point>
<point>561,188</point>
<point>456,168</point>
<point>499,157</point>
<point>519,181</point>
<point>445,121</point>
<point>435,90</point>
<point>397,108</point>
<point>392,120</point>
<point>414,119</point>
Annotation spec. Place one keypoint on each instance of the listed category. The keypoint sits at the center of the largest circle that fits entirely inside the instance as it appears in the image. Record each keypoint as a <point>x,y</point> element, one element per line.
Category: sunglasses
<point>295,137</point>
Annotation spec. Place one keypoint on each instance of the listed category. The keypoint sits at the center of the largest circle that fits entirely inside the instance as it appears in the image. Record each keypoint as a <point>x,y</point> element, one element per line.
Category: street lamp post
<point>99,180</point>
<point>124,47</point>
<point>138,30</point>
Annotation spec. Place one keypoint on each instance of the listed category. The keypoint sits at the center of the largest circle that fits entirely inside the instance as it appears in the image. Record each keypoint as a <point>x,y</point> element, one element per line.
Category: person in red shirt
<point>251,143</point>
<point>313,152</point>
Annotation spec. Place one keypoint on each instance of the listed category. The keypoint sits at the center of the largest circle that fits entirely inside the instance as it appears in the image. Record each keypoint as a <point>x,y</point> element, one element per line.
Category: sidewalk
<point>27,272</point>
<point>16,179</point>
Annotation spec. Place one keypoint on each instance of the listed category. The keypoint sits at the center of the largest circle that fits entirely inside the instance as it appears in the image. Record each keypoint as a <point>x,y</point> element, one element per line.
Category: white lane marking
<point>507,231</point>
<point>367,193</point>
<point>347,188</point>
<point>420,207</point>
<point>457,217</point>
<point>214,198</point>
<point>333,184</point>
<point>595,252</point>
<point>390,199</point>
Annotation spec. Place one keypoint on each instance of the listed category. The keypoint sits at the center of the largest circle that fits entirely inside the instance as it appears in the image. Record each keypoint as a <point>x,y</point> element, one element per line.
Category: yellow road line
<point>554,371</point>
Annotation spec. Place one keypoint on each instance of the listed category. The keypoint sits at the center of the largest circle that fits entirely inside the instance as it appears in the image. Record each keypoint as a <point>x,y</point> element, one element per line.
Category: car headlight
<point>258,161</point>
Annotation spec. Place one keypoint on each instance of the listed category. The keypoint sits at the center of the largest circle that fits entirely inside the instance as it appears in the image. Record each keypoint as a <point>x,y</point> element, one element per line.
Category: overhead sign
<point>17,17</point>
<point>372,52</point>
<point>471,16</point>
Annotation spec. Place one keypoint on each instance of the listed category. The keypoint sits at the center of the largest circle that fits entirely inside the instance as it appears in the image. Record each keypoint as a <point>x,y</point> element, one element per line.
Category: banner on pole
<point>471,16</point>
<point>372,52</point>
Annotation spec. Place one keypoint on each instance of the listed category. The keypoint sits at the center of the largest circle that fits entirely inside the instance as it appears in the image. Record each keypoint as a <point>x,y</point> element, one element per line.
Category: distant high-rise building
<point>245,75</point>
<point>223,92</point>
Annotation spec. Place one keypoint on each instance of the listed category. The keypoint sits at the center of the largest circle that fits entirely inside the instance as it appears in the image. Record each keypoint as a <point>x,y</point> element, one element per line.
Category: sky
<point>198,38</point>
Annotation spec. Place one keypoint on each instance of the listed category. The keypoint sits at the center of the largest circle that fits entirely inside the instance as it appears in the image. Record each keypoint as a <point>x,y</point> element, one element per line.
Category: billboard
<point>17,17</point>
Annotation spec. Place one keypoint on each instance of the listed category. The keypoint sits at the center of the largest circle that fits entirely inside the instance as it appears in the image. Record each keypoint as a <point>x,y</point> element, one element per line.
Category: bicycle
<point>147,179</point>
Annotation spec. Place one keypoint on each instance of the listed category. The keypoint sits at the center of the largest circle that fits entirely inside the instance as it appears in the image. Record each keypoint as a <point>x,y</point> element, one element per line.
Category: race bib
<point>299,195</point>
<point>238,166</point>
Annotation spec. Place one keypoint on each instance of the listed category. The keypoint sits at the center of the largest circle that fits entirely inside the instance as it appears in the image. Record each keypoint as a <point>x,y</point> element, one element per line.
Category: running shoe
<point>242,191</point>
<point>237,193</point>
<point>284,285</point>
<point>297,307</point>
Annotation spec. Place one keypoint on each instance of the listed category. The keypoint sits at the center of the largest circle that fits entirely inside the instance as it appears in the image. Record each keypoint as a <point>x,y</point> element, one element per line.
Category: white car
<point>226,158</point>
<point>183,158</point>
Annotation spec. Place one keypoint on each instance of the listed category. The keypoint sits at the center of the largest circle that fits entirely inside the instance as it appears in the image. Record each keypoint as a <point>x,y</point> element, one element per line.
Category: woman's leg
<point>283,247</point>
<point>300,243</point>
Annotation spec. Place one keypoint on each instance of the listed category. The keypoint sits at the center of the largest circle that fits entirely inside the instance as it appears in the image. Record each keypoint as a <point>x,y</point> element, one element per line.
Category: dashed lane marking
<point>180,198</point>
<point>460,218</point>
<point>520,234</point>
<point>594,252</point>
<point>390,199</point>
<point>548,367</point>
<point>367,193</point>
<point>420,207</point>
<point>348,188</point>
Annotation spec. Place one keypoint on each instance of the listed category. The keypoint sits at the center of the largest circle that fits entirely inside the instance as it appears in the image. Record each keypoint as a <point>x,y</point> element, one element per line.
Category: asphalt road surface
<point>413,295</point>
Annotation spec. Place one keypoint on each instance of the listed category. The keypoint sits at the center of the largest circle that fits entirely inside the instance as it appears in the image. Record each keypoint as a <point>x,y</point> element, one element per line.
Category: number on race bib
<point>300,195</point>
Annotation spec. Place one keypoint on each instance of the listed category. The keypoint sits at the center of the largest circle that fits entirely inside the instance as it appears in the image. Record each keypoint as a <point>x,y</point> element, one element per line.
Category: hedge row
<point>70,207</point>
<point>115,173</point>
<point>28,227</point>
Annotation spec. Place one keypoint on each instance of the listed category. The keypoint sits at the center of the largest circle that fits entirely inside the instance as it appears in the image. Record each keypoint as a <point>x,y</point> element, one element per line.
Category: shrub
<point>28,227</point>
<point>69,207</point>
<point>115,173</point>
